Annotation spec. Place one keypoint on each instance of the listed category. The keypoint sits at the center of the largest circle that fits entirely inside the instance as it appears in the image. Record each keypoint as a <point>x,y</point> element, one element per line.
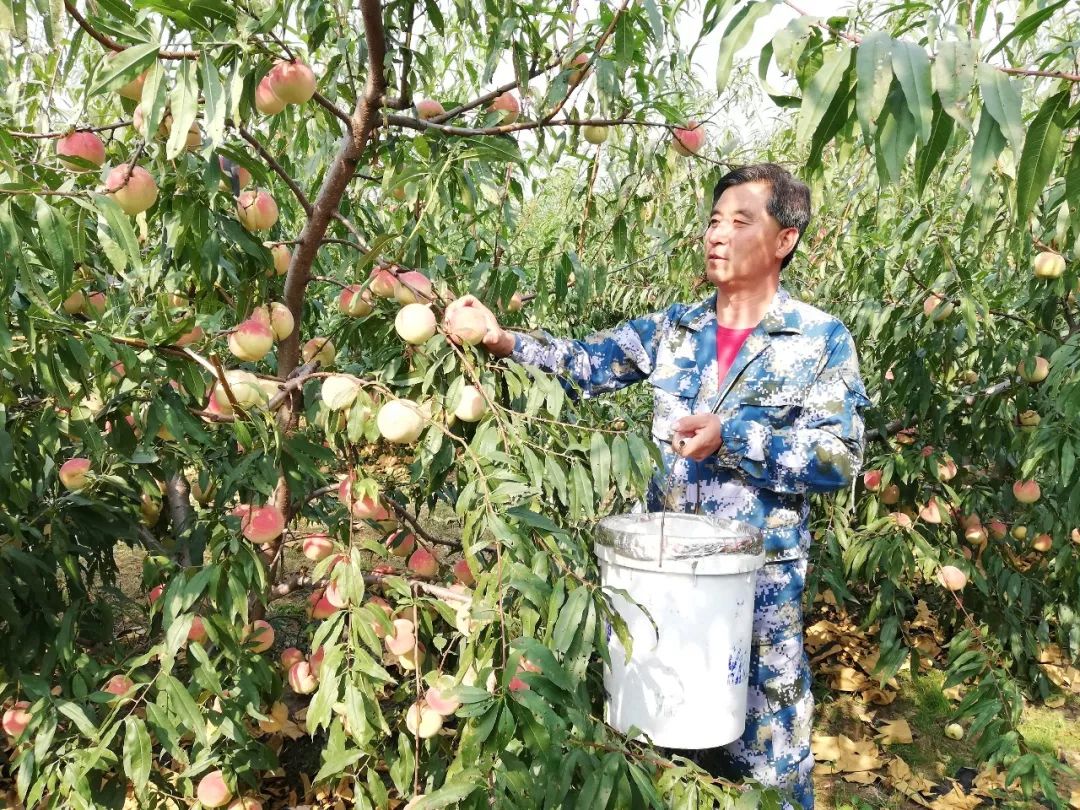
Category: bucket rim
<point>636,535</point>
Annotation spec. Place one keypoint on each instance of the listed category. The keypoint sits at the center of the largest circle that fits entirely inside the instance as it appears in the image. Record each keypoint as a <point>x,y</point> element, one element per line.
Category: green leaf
<point>570,617</point>
<point>215,103</point>
<point>137,752</point>
<point>790,42</point>
<point>873,73</point>
<point>76,714</point>
<point>125,66</point>
<point>736,35</point>
<point>1002,100</point>
<point>184,106</point>
<point>940,135</point>
<point>819,95</point>
<point>1027,26</point>
<point>953,73</point>
<point>912,68</point>
<point>896,135</point>
<point>453,791</point>
<point>56,239</point>
<point>119,228</point>
<point>600,464</point>
<point>1040,153</point>
<point>986,147</point>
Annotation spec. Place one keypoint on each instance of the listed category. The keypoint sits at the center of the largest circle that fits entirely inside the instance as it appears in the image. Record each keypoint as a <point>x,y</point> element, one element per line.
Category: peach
<point>132,187</point>
<point>319,348</point>
<point>246,803</point>
<point>595,134</point>
<point>952,578</point>
<point>577,72</point>
<point>946,469</point>
<point>262,524</point>
<point>212,790</point>
<point>1026,491</point>
<point>902,520</point>
<point>339,391</point>
<point>96,304</point>
<point>467,325</point>
<point>73,473</point>
<point>316,661</point>
<point>243,176</point>
<point>413,287</point>
<point>688,140</point>
<point>197,632</point>
<point>318,546</point>
<point>246,390</point>
<point>975,534</point>
<point>134,88</point>
<point>259,636</point>
<point>401,543</point>
<point>872,480</point>
<point>400,421</point>
<point>355,301</point>
<point>1049,265</point>
<point>278,317</point>
<point>428,108</point>
<point>423,721</point>
<point>472,406</point>
<point>384,282</point>
<point>1028,420</point>
<point>997,529</point>
<point>890,495</point>
<point>319,606</point>
<point>516,303</point>
<point>415,323</point>
<point>335,596</point>
<point>508,104</point>
<point>118,685</point>
<point>1042,543</point>
<point>16,719</point>
<point>74,303</point>
<point>292,82</point>
<point>84,146</point>
<point>403,639</point>
<point>937,308</point>
<point>251,340</point>
<point>194,336</point>
<point>931,513</point>
<point>1019,532</point>
<point>423,562</point>
<point>155,593</point>
<point>365,508</point>
<point>256,210</point>
<point>463,573</point>
<point>290,656</point>
<point>1033,370</point>
<point>301,679</point>
<point>266,101</point>
<point>282,258</point>
<point>440,702</point>
<point>412,658</point>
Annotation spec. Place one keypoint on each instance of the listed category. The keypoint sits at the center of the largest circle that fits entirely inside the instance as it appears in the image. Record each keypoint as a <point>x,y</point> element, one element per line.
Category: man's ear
<point>785,241</point>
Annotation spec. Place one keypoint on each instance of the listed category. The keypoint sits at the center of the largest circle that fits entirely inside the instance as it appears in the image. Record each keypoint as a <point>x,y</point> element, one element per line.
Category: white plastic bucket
<point>687,688</point>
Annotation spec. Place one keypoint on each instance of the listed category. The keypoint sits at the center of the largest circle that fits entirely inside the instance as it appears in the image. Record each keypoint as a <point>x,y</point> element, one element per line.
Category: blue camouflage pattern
<point>791,414</point>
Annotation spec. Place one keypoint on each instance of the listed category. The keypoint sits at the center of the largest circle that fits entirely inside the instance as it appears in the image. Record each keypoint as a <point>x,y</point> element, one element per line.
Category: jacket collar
<point>781,316</point>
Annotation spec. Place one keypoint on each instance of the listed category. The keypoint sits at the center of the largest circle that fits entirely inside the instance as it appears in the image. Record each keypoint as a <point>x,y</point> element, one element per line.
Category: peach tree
<point>229,232</point>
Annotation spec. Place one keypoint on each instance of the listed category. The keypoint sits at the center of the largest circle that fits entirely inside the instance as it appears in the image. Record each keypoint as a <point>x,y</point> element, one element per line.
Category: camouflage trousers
<point>774,749</point>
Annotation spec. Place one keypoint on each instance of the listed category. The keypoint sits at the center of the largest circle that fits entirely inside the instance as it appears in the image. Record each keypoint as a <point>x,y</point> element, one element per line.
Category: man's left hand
<point>697,436</point>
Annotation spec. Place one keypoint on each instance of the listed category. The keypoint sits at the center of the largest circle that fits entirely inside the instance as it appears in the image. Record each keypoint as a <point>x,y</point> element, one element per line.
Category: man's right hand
<point>497,341</point>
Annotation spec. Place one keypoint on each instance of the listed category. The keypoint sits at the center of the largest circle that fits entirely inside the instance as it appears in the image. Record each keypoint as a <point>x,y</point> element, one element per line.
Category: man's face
<point>743,243</point>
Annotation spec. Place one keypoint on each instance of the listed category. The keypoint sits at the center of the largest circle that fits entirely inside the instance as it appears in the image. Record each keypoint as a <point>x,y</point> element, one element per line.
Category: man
<point>758,403</point>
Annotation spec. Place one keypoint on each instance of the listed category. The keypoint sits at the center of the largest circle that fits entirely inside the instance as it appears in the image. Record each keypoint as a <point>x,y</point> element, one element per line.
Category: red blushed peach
<point>85,146</point>
<point>423,562</point>
<point>261,524</point>
<point>381,604</point>
<point>1042,543</point>
<point>256,210</point>
<point>508,104</point>
<point>316,661</point>
<point>251,340</point>
<point>212,790</point>
<point>872,480</point>
<point>73,473</point>
<point>118,685</point>
<point>952,578</point>
<point>401,543</point>
<point>689,139</point>
<point>443,704</point>
<point>155,593</point>
<point>467,325</point>
<point>292,82</point>
<point>259,636</point>
<point>413,288</point>
<point>243,176</point>
<point>423,721</point>
<point>321,349</point>
<point>463,573</point>
<point>1027,491</point>
<point>290,656</point>
<point>16,719</point>
<point>197,631</point>
<point>132,187</point>
<point>355,301</point>
<point>335,596</point>
<point>246,803</point>
<point>319,606</point>
<point>428,108</point>
<point>282,259</point>
<point>365,508</point>
<point>403,639</point>
<point>384,282</point>
<point>266,101</point>
<point>301,679</point>
<point>318,547</point>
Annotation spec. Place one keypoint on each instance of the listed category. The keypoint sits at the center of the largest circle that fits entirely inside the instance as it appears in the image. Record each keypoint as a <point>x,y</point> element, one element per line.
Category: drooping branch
<point>410,122</point>
<point>111,43</point>
<point>46,135</point>
<point>277,168</point>
<point>302,580</point>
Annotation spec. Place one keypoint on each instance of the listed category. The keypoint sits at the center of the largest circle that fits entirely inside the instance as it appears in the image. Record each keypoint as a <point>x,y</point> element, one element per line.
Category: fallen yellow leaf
<point>895,732</point>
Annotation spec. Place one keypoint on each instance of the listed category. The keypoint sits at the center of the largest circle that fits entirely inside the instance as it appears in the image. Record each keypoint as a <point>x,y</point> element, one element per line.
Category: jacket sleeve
<point>822,450</point>
<point>605,361</point>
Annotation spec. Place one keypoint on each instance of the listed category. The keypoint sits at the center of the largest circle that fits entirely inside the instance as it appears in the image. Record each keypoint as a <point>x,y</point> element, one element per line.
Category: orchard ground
<point>927,707</point>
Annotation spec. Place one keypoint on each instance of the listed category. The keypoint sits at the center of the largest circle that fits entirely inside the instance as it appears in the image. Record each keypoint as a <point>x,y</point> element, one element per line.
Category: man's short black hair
<point>789,202</point>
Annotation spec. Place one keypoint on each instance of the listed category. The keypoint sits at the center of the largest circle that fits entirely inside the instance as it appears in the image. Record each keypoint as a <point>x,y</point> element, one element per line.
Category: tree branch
<point>277,168</point>
<point>111,43</point>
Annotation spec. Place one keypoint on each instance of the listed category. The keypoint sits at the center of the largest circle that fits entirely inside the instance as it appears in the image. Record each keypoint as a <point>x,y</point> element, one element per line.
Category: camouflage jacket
<point>791,408</point>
